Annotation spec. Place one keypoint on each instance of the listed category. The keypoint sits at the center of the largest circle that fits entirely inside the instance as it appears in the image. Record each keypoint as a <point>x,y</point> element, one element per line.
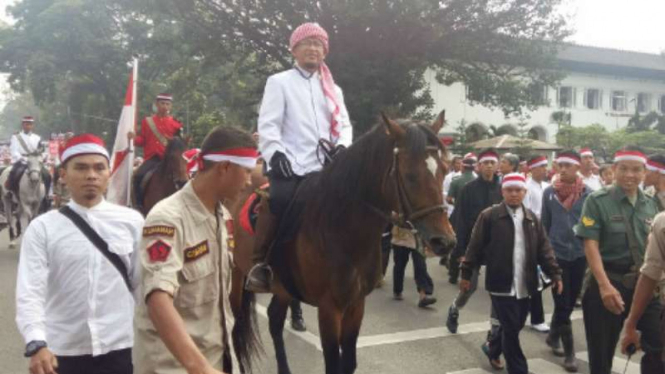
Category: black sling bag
<point>97,240</point>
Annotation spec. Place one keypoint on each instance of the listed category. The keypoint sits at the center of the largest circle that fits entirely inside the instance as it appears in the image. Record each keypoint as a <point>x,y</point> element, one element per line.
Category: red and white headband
<point>536,162</point>
<point>490,156</point>
<point>166,97</point>
<point>245,157</point>
<point>655,166</point>
<point>630,156</point>
<point>84,144</point>
<point>470,156</point>
<point>586,152</point>
<point>513,180</point>
<point>28,119</point>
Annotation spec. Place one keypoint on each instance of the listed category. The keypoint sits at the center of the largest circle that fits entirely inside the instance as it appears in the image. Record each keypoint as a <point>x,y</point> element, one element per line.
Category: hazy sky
<point>636,25</point>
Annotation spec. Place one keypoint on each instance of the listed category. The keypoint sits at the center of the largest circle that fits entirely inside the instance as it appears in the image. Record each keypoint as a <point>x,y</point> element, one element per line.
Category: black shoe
<point>398,296</point>
<point>298,323</point>
<point>259,278</point>
<point>426,301</point>
<point>452,280</point>
<point>495,363</point>
<point>452,322</point>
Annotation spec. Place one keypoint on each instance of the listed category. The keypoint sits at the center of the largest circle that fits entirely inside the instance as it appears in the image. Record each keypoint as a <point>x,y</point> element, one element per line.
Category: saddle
<point>249,213</point>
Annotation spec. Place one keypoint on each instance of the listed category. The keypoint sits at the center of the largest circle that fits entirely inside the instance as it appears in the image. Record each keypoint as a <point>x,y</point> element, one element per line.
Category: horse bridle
<point>406,213</point>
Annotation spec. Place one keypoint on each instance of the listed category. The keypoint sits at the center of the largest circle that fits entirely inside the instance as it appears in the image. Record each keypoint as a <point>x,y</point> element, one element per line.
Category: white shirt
<point>519,288</point>
<point>67,293</point>
<point>16,149</point>
<point>534,196</point>
<point>294,115</point>
<point>446,187</point>
<point>592,181</point>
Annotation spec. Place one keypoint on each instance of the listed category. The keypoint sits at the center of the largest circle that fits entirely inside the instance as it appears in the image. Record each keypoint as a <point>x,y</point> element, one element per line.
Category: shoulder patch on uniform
<point>588,222</point>
<point>159,251</point>
<point>159,230</point>
<point>230,241</point>
<point>197,251</point>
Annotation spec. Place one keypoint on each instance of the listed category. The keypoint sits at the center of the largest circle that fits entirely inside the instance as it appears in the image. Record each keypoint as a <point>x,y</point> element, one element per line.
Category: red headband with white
<point>84,144</point>
<point>245,157</point>
<point>586,152</point>
<point>28,119</point>
<point>655,166</point>
<point>568,158</point>
<point>488,156</point>
<point>470,156</point>
<point>166,97</point>
<point>514,180</point>
<point>630,156</point>
<point>538,161</point>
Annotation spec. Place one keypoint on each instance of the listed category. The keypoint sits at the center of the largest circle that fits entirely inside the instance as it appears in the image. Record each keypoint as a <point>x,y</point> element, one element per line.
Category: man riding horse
<point>22,145</point>
<point>302,122</point>
<point>156,131</point>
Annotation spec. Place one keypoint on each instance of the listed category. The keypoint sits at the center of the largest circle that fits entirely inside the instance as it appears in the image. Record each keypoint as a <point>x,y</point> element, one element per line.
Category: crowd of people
<point>96,279</point>
<point>584,230</point>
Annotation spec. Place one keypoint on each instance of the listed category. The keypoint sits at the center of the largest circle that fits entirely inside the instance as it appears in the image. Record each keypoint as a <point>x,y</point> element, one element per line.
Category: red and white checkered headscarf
<point>313,30</point>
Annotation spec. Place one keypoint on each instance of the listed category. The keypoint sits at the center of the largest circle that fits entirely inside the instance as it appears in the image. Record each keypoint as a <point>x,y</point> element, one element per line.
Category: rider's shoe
<point>259,278</point>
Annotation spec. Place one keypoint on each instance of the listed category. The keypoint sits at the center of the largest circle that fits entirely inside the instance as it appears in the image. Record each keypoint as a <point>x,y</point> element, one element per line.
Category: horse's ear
<point>439,122</point>
<point>393,129</point>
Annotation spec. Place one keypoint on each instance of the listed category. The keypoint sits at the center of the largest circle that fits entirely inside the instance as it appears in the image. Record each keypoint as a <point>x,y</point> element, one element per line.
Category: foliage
<point>651,141</point>
<point>524,146</point>
<point>214,55</point>
<point>638,123</point>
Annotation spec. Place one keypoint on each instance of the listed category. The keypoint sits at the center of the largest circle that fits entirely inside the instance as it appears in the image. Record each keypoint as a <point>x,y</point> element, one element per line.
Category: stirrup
<point>252,283</point>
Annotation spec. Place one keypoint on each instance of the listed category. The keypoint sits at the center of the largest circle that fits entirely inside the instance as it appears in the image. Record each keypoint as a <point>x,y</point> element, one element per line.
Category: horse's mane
<point>356,176</point>
<point>175,146</point>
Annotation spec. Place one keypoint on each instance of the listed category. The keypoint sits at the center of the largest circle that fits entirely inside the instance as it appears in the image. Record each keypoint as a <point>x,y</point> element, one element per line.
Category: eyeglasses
<point>314,43</point>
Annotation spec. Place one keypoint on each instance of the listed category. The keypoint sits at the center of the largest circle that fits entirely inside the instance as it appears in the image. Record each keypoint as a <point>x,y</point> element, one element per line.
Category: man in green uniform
<point>614,225</point>
<point>654,182</point>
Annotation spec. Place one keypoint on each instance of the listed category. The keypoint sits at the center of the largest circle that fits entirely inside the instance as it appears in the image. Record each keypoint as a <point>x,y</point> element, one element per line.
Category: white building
<point>601,86</point>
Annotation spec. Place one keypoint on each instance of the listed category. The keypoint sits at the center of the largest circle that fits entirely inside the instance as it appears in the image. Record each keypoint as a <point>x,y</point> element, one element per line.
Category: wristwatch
<point>33,347</point>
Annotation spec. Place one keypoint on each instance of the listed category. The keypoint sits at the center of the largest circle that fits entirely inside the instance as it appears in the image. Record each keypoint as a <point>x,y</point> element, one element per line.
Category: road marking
<point>403,336</point>
<point>469,371</point>
<point>538,366</point>
<point>617,364</point>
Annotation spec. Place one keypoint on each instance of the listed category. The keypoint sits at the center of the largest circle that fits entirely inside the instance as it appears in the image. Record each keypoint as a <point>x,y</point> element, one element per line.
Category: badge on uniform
<point>159,230</point>
<point>230,241</point>
<point>159,251</point>
<point>588,222</point>
<point>197,251</point>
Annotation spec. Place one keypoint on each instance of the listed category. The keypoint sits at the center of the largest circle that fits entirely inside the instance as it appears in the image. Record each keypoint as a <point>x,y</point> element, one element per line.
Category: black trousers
<point>603,330</point>
<point>536,308</point>
<point>281,193</point>
<point>572,277</point>
<point>423,280</point>
<point>114,362</point>
<point>386,247</point>
<point>512,314</point>
<point>453,263</point>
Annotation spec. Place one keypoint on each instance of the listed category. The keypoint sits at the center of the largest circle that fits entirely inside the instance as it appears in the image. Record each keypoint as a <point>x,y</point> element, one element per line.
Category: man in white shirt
<point>74,307</point>
<point>21,145</point>
<point>455,171</point>
<point>586,170</point>
<point>301,109</point>
<point>536,184</point>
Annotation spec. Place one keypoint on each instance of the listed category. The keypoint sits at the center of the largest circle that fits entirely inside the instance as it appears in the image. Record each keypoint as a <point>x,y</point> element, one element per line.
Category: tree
<point>524,146</point>
<point>593,136</point>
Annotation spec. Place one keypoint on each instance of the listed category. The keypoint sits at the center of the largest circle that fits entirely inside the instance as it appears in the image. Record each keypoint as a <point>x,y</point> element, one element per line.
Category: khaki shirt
<point>185,253</point>
<point>654,259</point>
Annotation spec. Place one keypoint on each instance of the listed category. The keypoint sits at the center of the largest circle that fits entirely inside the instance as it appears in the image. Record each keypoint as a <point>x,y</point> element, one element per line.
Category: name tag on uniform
<point>161,230</point>
<point>197,251</point>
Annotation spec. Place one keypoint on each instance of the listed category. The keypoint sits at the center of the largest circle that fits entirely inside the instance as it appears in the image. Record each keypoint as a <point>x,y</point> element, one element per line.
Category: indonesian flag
<point>122,158</point>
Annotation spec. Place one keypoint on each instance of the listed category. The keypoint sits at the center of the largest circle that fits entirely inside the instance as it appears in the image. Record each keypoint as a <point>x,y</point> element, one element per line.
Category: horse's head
<point>35,165</point>
<point>417,176</point>
<point>175,164</point>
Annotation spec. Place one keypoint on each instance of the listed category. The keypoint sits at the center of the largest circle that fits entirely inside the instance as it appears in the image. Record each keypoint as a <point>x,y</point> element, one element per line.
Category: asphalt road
<point>396,337</point>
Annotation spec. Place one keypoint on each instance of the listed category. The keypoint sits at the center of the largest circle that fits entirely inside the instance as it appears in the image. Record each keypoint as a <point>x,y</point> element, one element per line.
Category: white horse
<point>31,190</point>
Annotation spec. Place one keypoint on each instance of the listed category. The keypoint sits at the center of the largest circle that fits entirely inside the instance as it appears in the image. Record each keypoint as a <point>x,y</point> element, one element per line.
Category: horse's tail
<point>246,338</point>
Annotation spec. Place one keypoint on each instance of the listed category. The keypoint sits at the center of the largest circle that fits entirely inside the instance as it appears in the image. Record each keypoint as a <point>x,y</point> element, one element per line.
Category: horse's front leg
<point>277,309</point>
<point>330,327</point>
<point>351,322</point>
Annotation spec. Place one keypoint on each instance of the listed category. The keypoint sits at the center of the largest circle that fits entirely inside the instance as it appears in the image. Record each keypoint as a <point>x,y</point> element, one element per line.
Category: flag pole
<point>135,78</point>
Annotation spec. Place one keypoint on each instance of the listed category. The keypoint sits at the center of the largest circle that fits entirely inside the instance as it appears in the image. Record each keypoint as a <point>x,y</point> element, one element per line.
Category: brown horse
<point>170,175</point>
<point>334,260</point>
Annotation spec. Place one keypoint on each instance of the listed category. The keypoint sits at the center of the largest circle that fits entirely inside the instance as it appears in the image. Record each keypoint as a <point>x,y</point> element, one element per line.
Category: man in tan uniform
<point>651,274</point>
<point>185,323</point>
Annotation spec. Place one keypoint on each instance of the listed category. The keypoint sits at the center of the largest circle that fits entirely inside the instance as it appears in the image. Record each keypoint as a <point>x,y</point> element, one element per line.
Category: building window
<point>661,104</point>
<point>539,94</point>
<point>618,101</point>
<point>592,98</point>
<point>643,102</point>
<point>566,97</point>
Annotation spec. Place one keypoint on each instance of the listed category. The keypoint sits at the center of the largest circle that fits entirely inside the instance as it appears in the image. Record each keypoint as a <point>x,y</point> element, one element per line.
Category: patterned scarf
<point>568,193</point>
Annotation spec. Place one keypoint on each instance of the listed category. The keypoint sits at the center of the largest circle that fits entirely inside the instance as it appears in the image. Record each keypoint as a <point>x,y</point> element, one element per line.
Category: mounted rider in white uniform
<point>22,144</point>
